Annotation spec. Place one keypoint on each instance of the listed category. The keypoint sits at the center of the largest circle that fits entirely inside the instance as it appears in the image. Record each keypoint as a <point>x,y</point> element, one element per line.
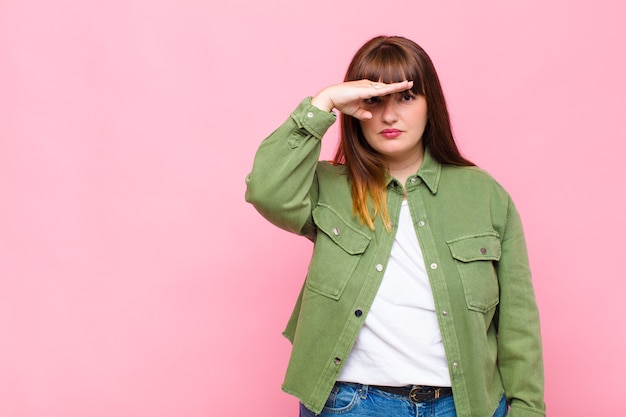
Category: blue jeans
<point>357,400</point>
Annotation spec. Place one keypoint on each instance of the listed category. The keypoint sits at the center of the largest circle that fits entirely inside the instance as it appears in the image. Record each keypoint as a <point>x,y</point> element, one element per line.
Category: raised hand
<point>348,97</point>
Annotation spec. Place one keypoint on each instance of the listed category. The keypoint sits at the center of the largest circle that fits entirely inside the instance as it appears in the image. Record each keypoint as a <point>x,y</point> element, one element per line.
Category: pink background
<point>135,280</point>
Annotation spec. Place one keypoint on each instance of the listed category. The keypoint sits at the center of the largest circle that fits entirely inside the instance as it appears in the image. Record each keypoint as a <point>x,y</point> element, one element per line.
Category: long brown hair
<point>392,59</point>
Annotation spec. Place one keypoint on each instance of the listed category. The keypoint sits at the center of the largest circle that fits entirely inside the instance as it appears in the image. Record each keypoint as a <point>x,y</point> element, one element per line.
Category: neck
<point>401,170</point>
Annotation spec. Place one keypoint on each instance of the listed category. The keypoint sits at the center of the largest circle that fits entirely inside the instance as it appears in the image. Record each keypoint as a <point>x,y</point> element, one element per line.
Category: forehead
<point>389,72</point>
<point>390,68</point>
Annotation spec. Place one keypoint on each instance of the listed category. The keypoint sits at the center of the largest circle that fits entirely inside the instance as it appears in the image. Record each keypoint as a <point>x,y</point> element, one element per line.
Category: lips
<point>390,133</point>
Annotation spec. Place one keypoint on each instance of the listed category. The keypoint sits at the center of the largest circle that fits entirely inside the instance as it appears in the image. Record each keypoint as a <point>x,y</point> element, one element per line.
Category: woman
<point>418,297</point>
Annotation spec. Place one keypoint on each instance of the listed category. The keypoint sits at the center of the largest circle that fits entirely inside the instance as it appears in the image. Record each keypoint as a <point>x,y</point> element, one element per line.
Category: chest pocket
<point>475,256</point>
<point>338,249</point>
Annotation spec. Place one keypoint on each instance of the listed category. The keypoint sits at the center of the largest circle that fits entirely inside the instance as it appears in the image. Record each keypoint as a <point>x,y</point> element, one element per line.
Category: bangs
<point>390,64</point>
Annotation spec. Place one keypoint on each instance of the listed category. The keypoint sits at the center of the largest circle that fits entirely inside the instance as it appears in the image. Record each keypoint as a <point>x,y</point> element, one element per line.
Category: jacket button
<point>336,231</point>
<point>444,313</point>
<point>379,267</point>
<point>337,361</point>
<point>358,313</point>
<point>433,266</point>
<point>310,115</point>
<point>483,251</point>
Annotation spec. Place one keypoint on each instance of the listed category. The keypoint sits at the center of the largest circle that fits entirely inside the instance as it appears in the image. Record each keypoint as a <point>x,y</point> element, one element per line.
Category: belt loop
<point>363,391</point>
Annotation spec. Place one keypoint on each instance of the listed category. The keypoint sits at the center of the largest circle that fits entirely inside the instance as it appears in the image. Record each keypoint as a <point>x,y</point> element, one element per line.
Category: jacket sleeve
<point>519,338</point>
<point>282,184</point>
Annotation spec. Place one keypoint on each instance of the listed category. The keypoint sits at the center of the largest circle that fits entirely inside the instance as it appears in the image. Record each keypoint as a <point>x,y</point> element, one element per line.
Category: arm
<point>282,181</point>
<point>283,172</point>
<point>519,338</point>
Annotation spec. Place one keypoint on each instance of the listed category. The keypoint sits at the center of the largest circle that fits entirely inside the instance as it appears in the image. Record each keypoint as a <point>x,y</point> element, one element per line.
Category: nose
<point>389,114</point>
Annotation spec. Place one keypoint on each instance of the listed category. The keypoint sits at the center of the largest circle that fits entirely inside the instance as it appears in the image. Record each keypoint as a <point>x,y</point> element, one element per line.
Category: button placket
<point>438,283</point>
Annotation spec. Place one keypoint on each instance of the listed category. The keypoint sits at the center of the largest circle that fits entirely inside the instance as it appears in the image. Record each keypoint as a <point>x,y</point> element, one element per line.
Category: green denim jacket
<point>473,246</point>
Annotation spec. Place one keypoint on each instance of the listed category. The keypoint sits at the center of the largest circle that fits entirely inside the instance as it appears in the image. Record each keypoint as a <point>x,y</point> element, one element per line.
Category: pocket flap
<point>479,247</point>
<point>346,236</point>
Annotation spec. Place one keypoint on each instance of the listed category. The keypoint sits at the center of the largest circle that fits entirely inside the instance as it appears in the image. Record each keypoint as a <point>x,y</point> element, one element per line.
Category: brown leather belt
<point>417,393</point>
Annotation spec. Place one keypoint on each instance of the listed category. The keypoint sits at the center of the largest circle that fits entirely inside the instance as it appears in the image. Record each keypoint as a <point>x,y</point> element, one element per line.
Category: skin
<point>381,107</point>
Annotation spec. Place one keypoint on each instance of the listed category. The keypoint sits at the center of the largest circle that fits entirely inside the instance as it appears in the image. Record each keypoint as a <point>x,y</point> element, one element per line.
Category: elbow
<point>250,195</point>
<point>276,207</point>
<point>258,196</point>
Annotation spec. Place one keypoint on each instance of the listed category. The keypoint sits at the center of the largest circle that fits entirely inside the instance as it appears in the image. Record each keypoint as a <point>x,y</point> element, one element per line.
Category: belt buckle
<point>417,390</point>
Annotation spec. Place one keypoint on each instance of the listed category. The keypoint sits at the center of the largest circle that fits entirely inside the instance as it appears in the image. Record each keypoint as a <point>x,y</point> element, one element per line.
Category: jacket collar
<point>430,171</point>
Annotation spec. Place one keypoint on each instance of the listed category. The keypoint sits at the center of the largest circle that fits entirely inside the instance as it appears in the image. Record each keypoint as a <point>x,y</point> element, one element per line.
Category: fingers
<point>381,89</point>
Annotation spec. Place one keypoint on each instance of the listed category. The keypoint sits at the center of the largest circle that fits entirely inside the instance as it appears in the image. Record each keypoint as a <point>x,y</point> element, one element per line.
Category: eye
<point>406,96</point>
<point>372,100</point>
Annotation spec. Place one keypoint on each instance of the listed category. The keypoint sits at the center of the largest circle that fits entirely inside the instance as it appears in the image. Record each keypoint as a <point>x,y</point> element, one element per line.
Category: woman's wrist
<point>322,102</point>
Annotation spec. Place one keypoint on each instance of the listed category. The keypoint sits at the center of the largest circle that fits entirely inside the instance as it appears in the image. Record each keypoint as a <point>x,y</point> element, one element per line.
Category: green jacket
<point>473,246</point>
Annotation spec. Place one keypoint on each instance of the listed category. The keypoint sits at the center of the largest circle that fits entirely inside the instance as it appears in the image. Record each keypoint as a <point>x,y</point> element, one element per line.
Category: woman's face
<point>397,125</point>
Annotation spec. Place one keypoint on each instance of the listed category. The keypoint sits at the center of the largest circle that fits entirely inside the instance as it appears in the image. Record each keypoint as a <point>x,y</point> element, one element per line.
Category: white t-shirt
<point>400,342</point>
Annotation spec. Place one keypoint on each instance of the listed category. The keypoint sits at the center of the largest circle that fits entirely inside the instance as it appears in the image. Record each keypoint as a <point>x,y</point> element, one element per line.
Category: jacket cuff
<point>313,119</point>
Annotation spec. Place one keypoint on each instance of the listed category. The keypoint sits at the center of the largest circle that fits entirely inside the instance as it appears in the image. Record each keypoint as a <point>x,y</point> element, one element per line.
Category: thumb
<point>362,114</point>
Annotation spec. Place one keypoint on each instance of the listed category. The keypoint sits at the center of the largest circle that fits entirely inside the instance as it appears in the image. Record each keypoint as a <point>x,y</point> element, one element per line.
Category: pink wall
<point>135,281</point>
